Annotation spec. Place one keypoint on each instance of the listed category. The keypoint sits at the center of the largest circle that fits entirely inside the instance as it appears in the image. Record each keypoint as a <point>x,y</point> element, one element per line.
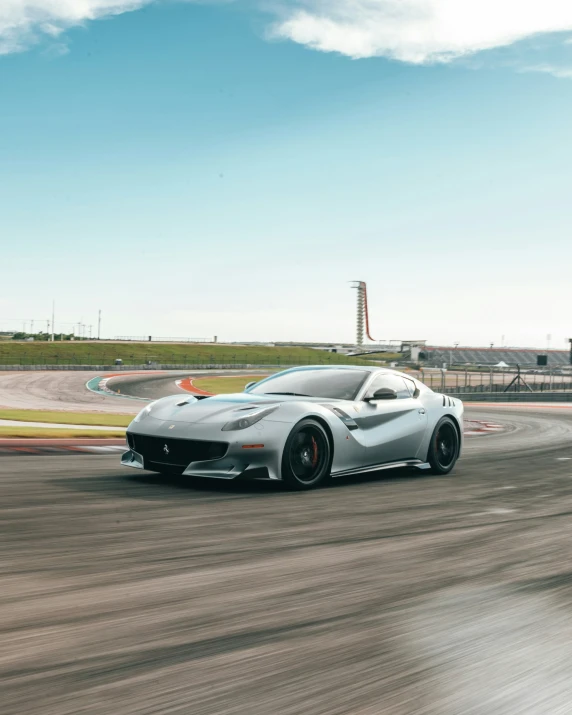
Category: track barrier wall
<point>149,368</point>
<point>515,397</point>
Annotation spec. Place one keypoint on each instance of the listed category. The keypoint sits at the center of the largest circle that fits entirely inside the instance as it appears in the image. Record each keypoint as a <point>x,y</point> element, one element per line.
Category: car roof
<point>362,368</point>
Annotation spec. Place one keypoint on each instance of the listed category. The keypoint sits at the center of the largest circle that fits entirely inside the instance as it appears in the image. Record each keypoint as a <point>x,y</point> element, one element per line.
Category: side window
<point>410,386</point>
<point>393,382</point>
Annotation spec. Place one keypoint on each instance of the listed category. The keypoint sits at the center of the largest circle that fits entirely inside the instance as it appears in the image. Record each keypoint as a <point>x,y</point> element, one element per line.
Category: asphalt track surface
<point>124,593</point>
<point>56,390</point>
<point>65,390</point>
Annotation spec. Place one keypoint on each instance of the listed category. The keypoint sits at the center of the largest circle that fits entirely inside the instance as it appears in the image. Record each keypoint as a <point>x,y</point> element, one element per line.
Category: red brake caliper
<point>314,453</point>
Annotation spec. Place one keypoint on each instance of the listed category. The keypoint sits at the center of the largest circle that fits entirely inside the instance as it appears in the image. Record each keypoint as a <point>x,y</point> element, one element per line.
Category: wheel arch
<point>319,422</point>
<point>455,420</point>
<point>328,430</point>
<point>323,423</point>
<point>458,427</point>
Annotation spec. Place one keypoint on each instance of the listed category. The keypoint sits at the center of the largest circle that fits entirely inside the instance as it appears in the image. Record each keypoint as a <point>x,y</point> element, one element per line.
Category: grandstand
<point>526,357</point>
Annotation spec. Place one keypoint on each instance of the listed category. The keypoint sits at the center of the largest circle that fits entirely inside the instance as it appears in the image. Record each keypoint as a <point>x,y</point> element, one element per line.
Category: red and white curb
<point>84,449</point>
<point>477,428</point>
<point>58,447</point>
<point>187,384</point>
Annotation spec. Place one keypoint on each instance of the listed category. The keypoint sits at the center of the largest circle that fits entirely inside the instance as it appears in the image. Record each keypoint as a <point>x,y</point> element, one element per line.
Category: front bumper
<point>215,469</point>
<point>254,453</point>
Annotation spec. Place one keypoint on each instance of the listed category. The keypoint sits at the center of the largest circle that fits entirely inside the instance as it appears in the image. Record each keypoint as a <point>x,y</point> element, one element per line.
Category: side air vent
<point>345,418</point>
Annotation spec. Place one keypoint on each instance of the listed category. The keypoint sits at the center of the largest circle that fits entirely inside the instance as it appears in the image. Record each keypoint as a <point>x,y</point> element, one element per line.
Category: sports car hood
<point>178,408</point>
<point>212,409</point>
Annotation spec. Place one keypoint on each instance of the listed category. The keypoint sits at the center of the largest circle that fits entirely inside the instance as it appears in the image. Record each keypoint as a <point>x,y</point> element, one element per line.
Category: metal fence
<point>177,359</point>
<point>497,380</point>
<point>212,363</point>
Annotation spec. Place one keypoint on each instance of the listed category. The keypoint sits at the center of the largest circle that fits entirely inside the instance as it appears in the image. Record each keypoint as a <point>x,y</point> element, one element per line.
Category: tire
<point>444,447</point>
<point>307,457</point>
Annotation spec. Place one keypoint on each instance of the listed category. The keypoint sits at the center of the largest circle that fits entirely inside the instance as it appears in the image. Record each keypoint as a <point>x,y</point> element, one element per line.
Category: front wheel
<point>307,456</point>
<point>445,447</point>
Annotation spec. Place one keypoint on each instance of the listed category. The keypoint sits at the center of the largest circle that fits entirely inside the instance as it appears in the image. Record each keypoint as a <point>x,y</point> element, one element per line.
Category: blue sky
<point>222,169</point>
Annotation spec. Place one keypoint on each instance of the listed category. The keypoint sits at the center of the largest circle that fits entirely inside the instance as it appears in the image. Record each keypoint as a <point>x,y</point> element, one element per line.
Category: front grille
<point>175,452</point>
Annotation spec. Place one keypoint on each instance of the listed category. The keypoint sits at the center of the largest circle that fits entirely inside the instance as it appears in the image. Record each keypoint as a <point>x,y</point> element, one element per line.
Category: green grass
<point>68,418</point>
<point>56,433</point>
<point>225,385</point>
<point>105,353</point>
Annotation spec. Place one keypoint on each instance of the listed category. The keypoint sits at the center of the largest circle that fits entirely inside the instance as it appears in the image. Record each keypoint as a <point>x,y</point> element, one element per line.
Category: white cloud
<point>415,31</point>
<point>419,31</point>
<point>23,22</point>
<point>555,71</point>
<point>56,49</point>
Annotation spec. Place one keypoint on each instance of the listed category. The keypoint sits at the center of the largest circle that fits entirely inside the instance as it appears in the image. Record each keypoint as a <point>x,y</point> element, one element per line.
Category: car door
<point>393,429</point>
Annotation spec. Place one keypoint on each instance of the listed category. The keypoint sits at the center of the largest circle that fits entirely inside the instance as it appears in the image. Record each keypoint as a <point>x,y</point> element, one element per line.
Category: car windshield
<point>330,384</point>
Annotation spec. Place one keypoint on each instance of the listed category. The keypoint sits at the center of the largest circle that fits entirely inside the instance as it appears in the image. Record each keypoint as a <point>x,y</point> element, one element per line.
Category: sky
<point>194,169</point>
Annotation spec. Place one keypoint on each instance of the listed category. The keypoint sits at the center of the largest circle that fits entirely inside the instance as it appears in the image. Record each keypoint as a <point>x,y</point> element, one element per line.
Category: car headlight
<point>145,412</point>
<point>249,419</point>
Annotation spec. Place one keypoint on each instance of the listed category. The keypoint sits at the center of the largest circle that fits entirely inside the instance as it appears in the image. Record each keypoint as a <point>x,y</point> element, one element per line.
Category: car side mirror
<point>250,384</point>
<point>384,393</point>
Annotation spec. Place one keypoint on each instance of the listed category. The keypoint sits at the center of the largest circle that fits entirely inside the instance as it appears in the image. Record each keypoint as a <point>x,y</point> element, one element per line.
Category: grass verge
<point>68,418</point>
<point>56,433</point>
<point>132,353</point>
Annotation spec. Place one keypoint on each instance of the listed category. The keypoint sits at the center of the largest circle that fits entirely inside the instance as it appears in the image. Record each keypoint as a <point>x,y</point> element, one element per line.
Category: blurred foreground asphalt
<point>125,594</point>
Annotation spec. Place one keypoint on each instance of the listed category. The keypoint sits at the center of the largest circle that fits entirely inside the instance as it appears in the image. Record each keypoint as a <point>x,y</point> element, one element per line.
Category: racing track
<point>397,594</point>
<point>153,387</point>
<point>52,390</point>
<point>58,391</point>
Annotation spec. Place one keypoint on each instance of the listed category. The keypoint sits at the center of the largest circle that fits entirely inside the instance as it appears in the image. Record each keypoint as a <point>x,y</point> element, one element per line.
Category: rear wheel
<point>444,448</point>
<point>307,456</point>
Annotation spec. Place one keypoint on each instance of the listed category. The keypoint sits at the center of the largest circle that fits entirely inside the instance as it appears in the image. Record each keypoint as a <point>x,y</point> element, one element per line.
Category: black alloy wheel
<point>444,447</point>
<point>307,456</point>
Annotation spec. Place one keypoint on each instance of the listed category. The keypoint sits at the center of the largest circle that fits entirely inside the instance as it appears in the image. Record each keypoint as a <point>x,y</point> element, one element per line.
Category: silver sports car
<point>301,426</point>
